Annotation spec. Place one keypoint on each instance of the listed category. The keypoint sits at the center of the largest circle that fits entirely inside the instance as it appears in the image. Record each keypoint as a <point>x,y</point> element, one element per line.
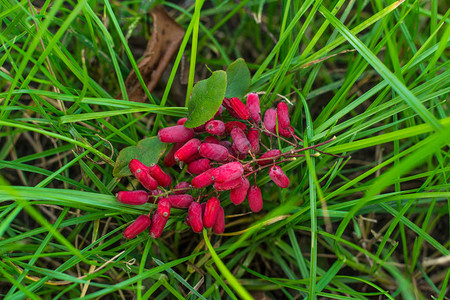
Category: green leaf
<point>238,79</point>
<point>207,96</point>
<point>148,151</point>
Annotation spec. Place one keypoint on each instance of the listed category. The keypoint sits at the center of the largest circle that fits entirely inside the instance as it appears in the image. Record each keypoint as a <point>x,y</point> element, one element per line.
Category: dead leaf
<point>166,38</point>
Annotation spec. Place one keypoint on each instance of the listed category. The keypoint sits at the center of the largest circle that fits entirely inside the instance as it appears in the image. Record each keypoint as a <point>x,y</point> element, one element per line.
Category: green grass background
<point>371,225</point>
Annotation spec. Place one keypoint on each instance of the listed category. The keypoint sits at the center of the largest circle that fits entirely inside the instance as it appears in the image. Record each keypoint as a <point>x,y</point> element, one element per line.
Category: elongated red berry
<point>163,178</point>
<point>230,125</point>
<point>286,132</point>
<point>270,120</point>
<point>136,166</point>
<point>238,154</point>
<point>238,194</point>
<point>254,197</point>
<point>169,159</point>
<point>164,207</point>
<point>269,157</point>
<point>228,185</point>
<point>213,152</point>
<point>146,179</point>
<point>219,112</point>
<point>227,172</point>
<point>253,138</point>
<point>240,108</point>
<point>157,225</point>
<point>139,225</point>
<point>192,158</point>
<point>240,140</point>
<point>183,186</point>
<point>211,210</point>
<point>181,121</point>
<point>199,166</point>
<point>187,150</point>
<point>180,200</point>
<point>227,104</point>
<point>283,115</point>
<point>195,217</point>
<point>175,134</point>
<point>132,197</point>
<point>254,107</point>
<point>215,127</point>
<point>211,140</point>
<point>203,180</point>
<point>277,175</point>
<point>219,225</point>
<point>154,194</point>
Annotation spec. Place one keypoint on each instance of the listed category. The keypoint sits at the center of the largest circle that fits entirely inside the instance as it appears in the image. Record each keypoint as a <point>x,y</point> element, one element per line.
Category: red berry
<point>213,152</point>
<point>227,104</point>
<point>286,132</point>
<point>238,154</point>
<point>195,217</point>
<point>192,158</point>
<point>187,150</point>
<point>238,194</point>
<point>164,207</point>
<point>181,121</point>
<point>169,159</point>
<point>240,140</point>
<point>157,225</point>
<point>199,166</point>
<point>140,224</point>
<point>219,225</point>
<point>227,172</point>
<point>283,115</point>
<point>240,108</point>
<point>156,172</point>
<point>132,197</point>
<point>199,129</point>
<point>230,125</point>
<point>182,185</point>
<point>228,185</point>
<point>215,127</point>
<point>154,194</point>
<point>211,210</point>
<point>254,107</point>
<point>180,200</point>
<point>211,140</point>
<point>253,138</point>
<point>255,198</point>
<point>277,175</point>
<point>270,120</point>
<point>147,181</point>
<point>203,180</point>
<point>175,134</point>
<point>136,166</point>
<point>271,155</point>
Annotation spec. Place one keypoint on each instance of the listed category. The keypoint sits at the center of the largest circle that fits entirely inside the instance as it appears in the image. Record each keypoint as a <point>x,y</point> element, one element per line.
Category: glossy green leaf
<point>207,96</point>
<point>238,79</point>
<point>148,151</point>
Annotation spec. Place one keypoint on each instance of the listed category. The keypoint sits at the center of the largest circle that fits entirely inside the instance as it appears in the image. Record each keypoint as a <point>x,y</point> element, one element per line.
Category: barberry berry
<point>238,194</point>
<point>219,225</point>
<point>240,140</point>
<point>215,127</point>
<point>203,180</point>
<point>270,120</point>
<point>169,159</point>
<point>157,225</point>
<point>254,107</point>
<point>139,225</point>
<point>213,152</point>
<point>147,181</point>
<point>232,124</point>
<point>180,200</point>
<point>199,166</point>
<point>183,186</point>
<point>132,197</point>
<point>277,175</point>
<point>181,121</point>
<point>283,115</point>
<point>175,134</point>
<point>269,157</point>
<point>253,138</point>
<point>164,207</point>
<point>161,177</point>
<point>255,198</point>
<point>211,210</point>
<point>195,217</point>
<point>211,140</point>
<point>187,150</point>
<point>228,185</point>
<point>239,108</point>
<point>227,172</point>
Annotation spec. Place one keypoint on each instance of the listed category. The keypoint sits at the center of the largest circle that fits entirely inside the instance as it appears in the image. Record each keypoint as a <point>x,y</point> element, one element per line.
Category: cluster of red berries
<point>213,160</point>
